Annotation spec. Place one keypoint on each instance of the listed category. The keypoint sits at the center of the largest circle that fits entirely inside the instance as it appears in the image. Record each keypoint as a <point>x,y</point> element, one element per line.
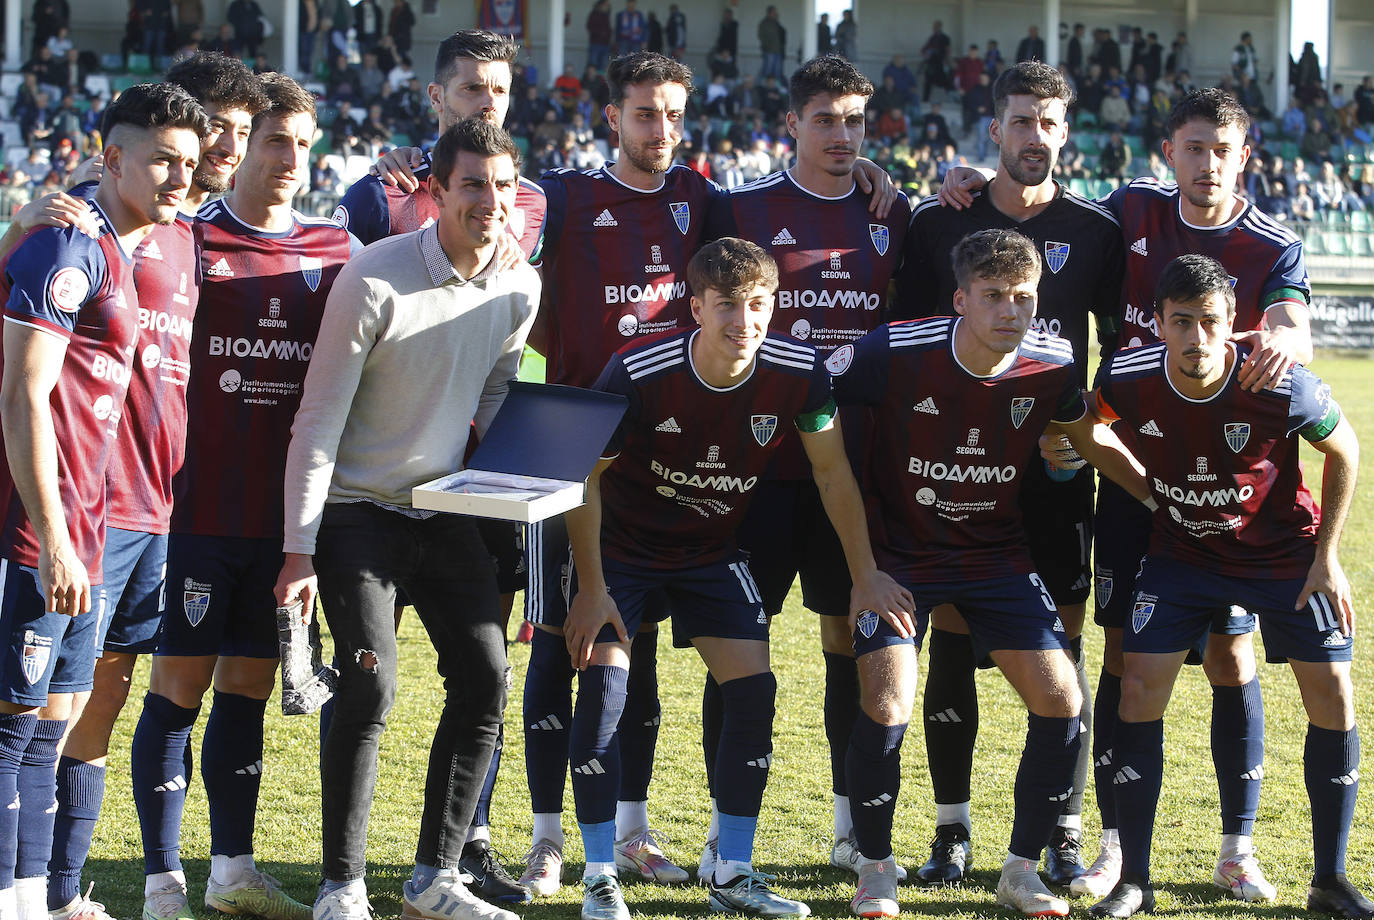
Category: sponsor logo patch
<point>68,289</point>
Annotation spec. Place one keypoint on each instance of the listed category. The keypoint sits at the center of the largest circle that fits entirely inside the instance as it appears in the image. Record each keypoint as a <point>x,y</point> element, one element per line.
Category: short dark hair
<point>284,97</point>
<point>1190,278</point>
<point>731,265</point>
<point>1000,254</point>
<point>219,80</point>
<point>1030,78</point>
<point>1213,105</point>
<point>155,105</point>
<point>644,67</point>
<point>471,135</point>
<point>828,73</point>
<point>472,45</point>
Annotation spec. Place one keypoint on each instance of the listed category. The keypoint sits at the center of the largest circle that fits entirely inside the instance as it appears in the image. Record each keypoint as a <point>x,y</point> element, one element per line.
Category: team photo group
<point>214,408</point>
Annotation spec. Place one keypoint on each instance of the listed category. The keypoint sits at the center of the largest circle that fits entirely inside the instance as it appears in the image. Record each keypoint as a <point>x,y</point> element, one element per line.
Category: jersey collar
<point>1178,206</point>
<point>692,364</point>
<point>606,172</point>
<point>793,179</point>
<point>1236,358</point>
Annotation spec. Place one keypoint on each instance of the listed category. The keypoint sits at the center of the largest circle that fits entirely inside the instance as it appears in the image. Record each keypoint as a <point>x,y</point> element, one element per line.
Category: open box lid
<point>549,431</point>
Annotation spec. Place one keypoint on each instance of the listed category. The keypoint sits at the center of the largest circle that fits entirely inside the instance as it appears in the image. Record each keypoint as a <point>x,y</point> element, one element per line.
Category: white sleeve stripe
<point>645,371</point>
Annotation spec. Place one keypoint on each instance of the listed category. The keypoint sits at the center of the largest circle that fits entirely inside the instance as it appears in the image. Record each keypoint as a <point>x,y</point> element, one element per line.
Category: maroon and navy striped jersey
<point>81,290</point>
<point>942,481</point>
<point>261,299</point>
<point>1224,470</point>
<point>373,210</point>
<point>1264,257</point>
<point>688,454</point>
<point>616,263</point>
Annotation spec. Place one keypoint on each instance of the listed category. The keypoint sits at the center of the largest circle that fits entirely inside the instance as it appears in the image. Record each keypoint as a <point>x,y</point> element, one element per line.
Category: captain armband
<point>811,422</point>
<point>1321,429</point>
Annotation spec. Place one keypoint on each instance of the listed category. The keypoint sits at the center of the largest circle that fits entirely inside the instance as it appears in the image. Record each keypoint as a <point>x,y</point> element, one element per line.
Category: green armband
<point>1321,430</point>
<point>811,422</point>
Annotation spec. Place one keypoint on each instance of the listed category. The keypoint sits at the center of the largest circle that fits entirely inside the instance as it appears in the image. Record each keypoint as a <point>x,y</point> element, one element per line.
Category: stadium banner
<point>506,17</point>
<point>1342,321</point>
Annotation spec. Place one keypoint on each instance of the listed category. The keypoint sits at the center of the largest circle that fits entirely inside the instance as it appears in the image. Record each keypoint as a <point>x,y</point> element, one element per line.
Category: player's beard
<point>1024,174</point>
<point>209,181</point>
<point>1199,371</point>
<point>644,159</point>
<point>1205,200</point>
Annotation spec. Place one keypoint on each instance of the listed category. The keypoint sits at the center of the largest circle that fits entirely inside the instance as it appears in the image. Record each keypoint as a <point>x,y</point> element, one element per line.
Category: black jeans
<point>362,555</point>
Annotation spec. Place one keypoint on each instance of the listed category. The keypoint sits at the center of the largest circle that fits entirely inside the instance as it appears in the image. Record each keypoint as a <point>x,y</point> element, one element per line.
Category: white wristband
<point>1149,502</point>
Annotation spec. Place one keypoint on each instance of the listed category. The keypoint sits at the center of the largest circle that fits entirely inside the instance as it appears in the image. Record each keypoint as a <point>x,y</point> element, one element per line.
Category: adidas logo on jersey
<point>669,426</point>
<point>1124,775</point>
<point>927,406</point>
<point>784,238</point>
<point>604,219</point>
<point>590,768</point>
<point>1139,248</point>
<point>151,251</point>
<point>220,269</point>
<point>547,724</point>
<point>949,715</point>
<point>175,784</point>
<point>880,800</point>
<point>253,769</point>
<point>1151,429</point>
<point>763,763</point>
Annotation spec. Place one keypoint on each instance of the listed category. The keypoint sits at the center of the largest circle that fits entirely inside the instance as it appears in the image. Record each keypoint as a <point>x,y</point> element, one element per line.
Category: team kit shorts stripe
<point>788,535</point>
<point>1013,613</point>
<point>44,652</point>
<point>220,597</point>
<point>135,570</point>
<point>1175,603</point>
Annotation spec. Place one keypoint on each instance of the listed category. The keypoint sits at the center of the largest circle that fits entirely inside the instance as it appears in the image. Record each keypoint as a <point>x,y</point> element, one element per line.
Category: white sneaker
<point>1242,876</point>
<point>1101,876</point>
<point>845,855</point>
<point>707,867</point>
<point>81,908</point>
<point>877,892</point>
<point>348,903</point>
<point>1020,889</point>
<point>167,903</point>
<point>643,855</point>
<point>543,869</point>
<point>448,898</point>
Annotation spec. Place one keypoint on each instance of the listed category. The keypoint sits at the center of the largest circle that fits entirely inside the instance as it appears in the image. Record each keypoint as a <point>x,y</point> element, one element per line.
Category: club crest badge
<point>1056,254</point>
<point>1020,408</point>
<point>312,268</point>
<point>868,623</point>
<point>1103,590</point>
<point>196,604</point>
<point>682,215</point>
<point>34,657</point>
<point>763,427</point>
<point>1142,611</point>
<point>878,234</point>
<point>1237,435</point>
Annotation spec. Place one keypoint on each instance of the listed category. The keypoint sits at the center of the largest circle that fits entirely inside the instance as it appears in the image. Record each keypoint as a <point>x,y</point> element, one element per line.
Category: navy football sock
<point>639,723</point>
<point>1043,782</point>
<point>1331,761</point>
<point>594,749</point>
<point>547,711</point>
<point>950,707</point>
<point>1238,753</point>
<point>231,769</point>
<point>841,709</point>
<point>712,715</point>
<point>746,753</point>
<point>37,799</point>
<point>15,733</point>
<point>80,790</point>
<point>1104,727</point>
<point>160,762</point>
<point>1081,765</point>
<point>1139,758</point>
<point>481,815</point>
<point>874,763</point>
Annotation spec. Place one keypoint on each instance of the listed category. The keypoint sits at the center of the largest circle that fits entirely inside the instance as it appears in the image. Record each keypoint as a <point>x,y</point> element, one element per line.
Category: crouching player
<point>959,405</point>
<point>706,412</point>
<point>1234,525</point>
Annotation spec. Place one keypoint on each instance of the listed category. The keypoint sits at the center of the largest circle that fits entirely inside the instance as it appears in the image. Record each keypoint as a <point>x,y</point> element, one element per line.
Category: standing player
<point>942,483</point>
<point>1084,257</point>
<point>149,449</point>
<point>71,322</point>
<point>1233,524</point>
<point>659,518</point>
<point>835,262</point>
<point>266,271</point>
<point>1205,145</point>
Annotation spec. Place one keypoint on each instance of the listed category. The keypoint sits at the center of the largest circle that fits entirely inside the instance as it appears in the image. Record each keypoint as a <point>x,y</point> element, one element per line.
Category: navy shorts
<point>1058,518</point>
<point>550,576</point>
<point>1013,613</point>
<point>44,652</point>
<point>1175,603</point>
<point>220,599</point>
<point>505,541</point>
<point>787,534</point>
<point>719,600</point>
<point>135,566</point>
<point>1122,535</point>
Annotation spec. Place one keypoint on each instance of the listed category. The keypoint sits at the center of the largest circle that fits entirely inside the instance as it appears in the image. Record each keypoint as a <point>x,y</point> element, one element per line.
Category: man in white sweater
<point>421,335</point>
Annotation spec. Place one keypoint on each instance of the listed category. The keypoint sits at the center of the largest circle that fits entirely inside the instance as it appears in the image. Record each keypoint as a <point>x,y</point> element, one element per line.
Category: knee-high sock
<point>1104,728</point>
<point>712,715</point>
<point>15,733</point>
<point>481,816</point>
<point>874,765</point>
<point>1139,757</point>
<point>1044,781</point>
<point>595,747</point>
<point>231,769</point>
<point>80,790</point>
<point>841,711</point>
<point>38,799</point>
<point>950,707</point>
<point>548,716</point>
<point>160,763</point>
<point>1081,766</point>
<point>1331,761</point>
<point>746,753</point>
<point>1238,753</point>
<point>639,723</point>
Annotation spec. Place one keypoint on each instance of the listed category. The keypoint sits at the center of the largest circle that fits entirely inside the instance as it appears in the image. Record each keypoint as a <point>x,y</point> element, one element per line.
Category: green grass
<point>795,830</point>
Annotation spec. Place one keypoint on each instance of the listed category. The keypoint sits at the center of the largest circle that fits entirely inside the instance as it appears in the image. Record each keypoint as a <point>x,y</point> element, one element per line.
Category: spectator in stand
<point>893,126</point>
<point>724,166</point>
<point>1364,100</point>
<point>631,31</point>
<point>992,59</point>
<point>1137,48</point>
<point>675,32</point>
<point>935,116</point>
<point>825,42</point>
<point>1316,143</point>
<point>400,23</point>
<point>324,179</point>
<point>374,131</point>
<point>308,15</point>
<point>599,35</point>
<point>343,134</point>
<point>588,156</point>
<point>369,25</point>
<point>528,112</point>
<point>1138,96</point>
<point>60,43</point>
<point>1309,69</point>
<point>948,160</point>
<point>37,123</point>
<point>1320,108</point>
<point>1075,54</point>
<point>1331,192</point>
<point>900,172</point>
<point>847,36</point>
<point>746,96</point>
<point>156,17</point>
<point>15,193</point>
<point>66,123</point>
<point>1115,113</point>
<point>223,42</point>
<point>595,84</point>
<point>1090,90</point>
<point>655,43</point>
<point>1337,97</point>
<point>1252,97</point>
<point>968,69</point>
<point>1302,206</point>
<point>1244,58</point>
<point>566,90</point>
<point>1180,58</point>
<point>754,161</point>
<point>700,163</point>
<point>935,60</point>
<point>1364,186</point>
<point>727,38</point>
<point>719,103</point>
<point>1184,84</point>
<point>902,77</point>
<point>44,70</point>
<point>1108,53</point>
<point>401,74</point>
<point>703,134</point>
<point>246,18</point>
<point>1114,159</point>
<point>1032,47</point>
<point>90,121</point>
<point>772,43</point>
<point>1294,121</point>
<point>886,96</point>
<point>1255,179</point>
<point>1297,173</point>
<point>70,73</point>
<point>723,64</point>
<point>772,100</point>
<point>550,129</point>
<point>342,85</point>
<point>1275,204</point>
<point>1156,118</point>
<point>190,18</point>
<point>978,109</point>
<point>783,156</point>
<point>931,139</point>
<point>49,16</point>
<point>370,77</point>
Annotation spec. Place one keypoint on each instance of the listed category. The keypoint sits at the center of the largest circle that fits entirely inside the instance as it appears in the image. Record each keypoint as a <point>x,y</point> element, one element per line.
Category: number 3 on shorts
<point>1045,597</point>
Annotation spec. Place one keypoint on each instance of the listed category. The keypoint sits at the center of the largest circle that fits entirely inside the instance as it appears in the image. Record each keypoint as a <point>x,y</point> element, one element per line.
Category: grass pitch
<point>795,829</point>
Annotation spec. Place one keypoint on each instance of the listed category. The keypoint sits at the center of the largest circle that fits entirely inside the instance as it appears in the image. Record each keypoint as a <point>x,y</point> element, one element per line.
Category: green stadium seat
<point>400,140</point>
<point>1365,245</point>
<point>1087,120</point>
<point>111,62</point>
<point>1336,242</point>
<point>1355,153</point>
<point>1288,150</point>
<point>1312,242</point>
<point>120,82</point>
<point>1361,221</point>
<point>140,64</point>
<point>1090,143</point>
<point>1081,187</point>
<point>326,114</point>
<point>522,144</point>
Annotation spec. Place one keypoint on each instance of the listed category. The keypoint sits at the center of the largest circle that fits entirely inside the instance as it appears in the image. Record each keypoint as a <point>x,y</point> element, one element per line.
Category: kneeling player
<point>943,485</point>
<point>662,509</point>
<point>1235,526</point>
